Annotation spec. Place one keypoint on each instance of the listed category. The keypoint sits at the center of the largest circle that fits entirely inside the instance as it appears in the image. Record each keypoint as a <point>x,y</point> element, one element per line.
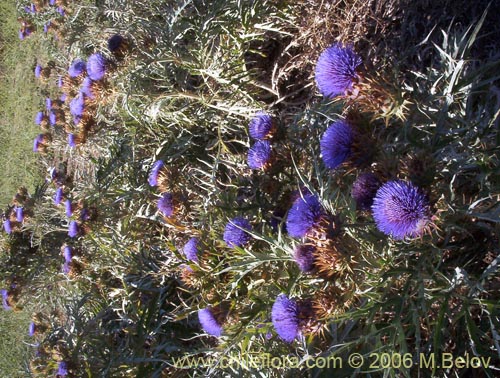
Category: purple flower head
<point>235,234</point>
<point>305,212</point>
<point>67,253</point>
<point>33,8</point>
<point>52,2</point>
<point>84,215</point>
<point>61,11</point>
<point>86,88</point>
<point>39,118</point>
<point>62,369</point>
<point>336,143</point>
<point>336,70</point>
<point>60,81</point>
<point>36,143</point>
<point>77,68</point>
<point>401,209</point>
<point>115,42</point>
<point>19,214</point>
<point>27,31</point>
<point>96,66</point>
<point>5,300</point>
<point>58,196</point>
<point>38,71</point>
<point>69,208</point>
<point>46,27</point>
<point>22,36</point>
<point>304,257</point>
<point>52,118</point>
<point>260,126</point>
<point>191,249</point>
<point>285,318</point>
<point>77,119</point>
<point>63,97</point>
<point>259,154</point>
<point>27,9</point>
<point>209,323</point>
<point>66,268</point>
<point>364,189</point>
<point>73,229</point>
<point>155,171</point>
<point>7,226</point>
<point>48,103</point>
<point>166,204</point>
<point>77,105</point>
<point>32,329</point>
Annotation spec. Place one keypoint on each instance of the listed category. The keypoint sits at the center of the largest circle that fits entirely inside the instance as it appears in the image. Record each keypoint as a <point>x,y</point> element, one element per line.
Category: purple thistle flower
<point>364,189</point>
<point>260,126</point>
<point>336,143</point>
<point>5,298</point>
<point>303,215</point>
<point>61,11</point>
<point>27,9</point>
<point>115,42</point>
<point>22,36</point>
<point>166,204</point>
<point>63,97</point>
<point>32,329</point>
<point>304,257</point>
<point>191,249</point>
<point>209,323</point>
<point>285,318</point>
<point>96,66</point>
<point>38,71</point>
<point>7,226</point>
<point>69,208</point>
<point>67,253</point>
<point>73,229</point>
<point>336,70</point>
<point>46,27</point>
<point>48,103</point>
<point>33,8</point>
<point>39,118</point>
<point>235,234</point>
<point>77,119</point>
<point>60,81</point>
<point>77,105</point>
<point>66,268</point>
<point>155,171</point>
<point>401,209</point>
<point>27,31</point>
<point>52,2</point>
<point>259,154</point>
<point>77,68</point>
<point>52,118</point>
<point>36,143</point>
<point>62,369</point>
<point>19,214</point>
<point>86,88</point>
<point>58,196</point>
<point>84,215</point>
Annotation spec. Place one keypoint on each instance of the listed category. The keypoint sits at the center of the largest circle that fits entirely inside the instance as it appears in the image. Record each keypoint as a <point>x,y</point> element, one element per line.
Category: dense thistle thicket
<point>215,191</point>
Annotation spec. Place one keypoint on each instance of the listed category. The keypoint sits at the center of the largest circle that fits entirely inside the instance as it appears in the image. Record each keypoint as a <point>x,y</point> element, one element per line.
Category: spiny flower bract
<point>305,212</point>
<point>260,126</point>
<point>401,209</point>
<point>336,70</point>
<point>285,318</point>
<point>209,323</point>
<point>235,234</point>
<point>336,143</point>
<point>259,154</point>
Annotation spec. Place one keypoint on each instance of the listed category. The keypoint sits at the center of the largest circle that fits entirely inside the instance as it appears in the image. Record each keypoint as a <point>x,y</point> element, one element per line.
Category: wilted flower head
<point>336,70</point>
<point>77,105</point>
<point>38,70</point>
<point>259,154</point>
<point>73,229</point>
<point>153,176</point>
<point>58,196</point>
<point>260,126</point>
<point>304,257</point>
<point>62,369</point>
<point>69,208</point>
<point>209,322</point>
<point>364,189</point>
<point>401,209</point>
<point>32,329</point>
<point>67,253</point>
<point>96,66</point>
<point>336,143</point>
<point>7,226</point>
<point>77,68</point>
<point>19,214</point>
<point>115,42</point>
<point>285,318</point>
<point>191,249</point>
<point>304,214</point>
<point>235,234</point>
<point>166,204</point>
<point>39,118</point>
